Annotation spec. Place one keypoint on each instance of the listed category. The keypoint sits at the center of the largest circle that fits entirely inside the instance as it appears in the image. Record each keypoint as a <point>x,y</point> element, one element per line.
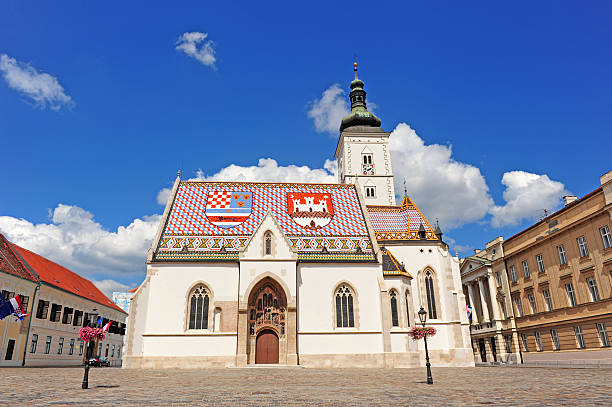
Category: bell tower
<point>363,150</point>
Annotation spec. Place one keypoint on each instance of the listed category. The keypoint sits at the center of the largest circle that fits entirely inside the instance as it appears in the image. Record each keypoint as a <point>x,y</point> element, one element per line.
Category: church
<point>316,275</point>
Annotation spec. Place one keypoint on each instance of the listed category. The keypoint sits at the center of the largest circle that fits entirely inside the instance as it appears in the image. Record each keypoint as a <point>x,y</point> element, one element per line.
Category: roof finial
<point>355,69</point>
<point>405,189</point>
<point>178,174</point>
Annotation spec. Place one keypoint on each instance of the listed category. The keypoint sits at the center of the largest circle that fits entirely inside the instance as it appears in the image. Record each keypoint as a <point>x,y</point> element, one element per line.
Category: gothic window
<point>199,301</point>
<point>407,309</point>
<point>268,243</point>
<point>367,158</point>
<point>269,311</point>
<point>431,297</point>
<point>394,315</point>
<point>345,316</point>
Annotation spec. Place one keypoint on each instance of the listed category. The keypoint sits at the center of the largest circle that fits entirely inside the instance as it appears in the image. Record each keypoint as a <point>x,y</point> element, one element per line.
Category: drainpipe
<point>25,350</point>
<point>518,339</point>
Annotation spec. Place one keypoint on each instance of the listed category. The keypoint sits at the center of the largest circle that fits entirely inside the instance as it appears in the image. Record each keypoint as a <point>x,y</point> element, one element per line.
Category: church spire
<point>359,115</point>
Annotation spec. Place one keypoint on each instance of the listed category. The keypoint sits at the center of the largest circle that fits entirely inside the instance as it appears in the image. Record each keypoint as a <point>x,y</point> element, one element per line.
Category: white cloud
<point>76,241</point>
<point>454,192</point>
<point>328,111</point>
<point>526,196</point>
<point>109,286</point>
<point>194,45</point>
<point>266,170</point>
<point>42,88</point>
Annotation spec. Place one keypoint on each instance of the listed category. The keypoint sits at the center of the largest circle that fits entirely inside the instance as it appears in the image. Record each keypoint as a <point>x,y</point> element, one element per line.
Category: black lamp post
<point>93,318</point>
<point>423,318</point>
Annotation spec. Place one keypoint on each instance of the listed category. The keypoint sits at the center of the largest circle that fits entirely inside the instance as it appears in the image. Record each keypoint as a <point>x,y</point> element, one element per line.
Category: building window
<point>71,350</point>
<point>60,347</point>
<point>513,274</point>
<point>370,192</point>
<point>119,353</point>
<point>538,338</point>
<point>345,317</point>
<point>555,339</point>
<point>540,261</point>
<point>603,334</point>
<point>34,343</point>
<point>407,309</point>
<point>606,237</point>
<point>394,314</point>
<point>99,350</point>
<point>42,310</point>
<point>547,300</point>
<point>519,306</point>
<point>498,278</point>
<point>526,269</point>
<point>25,300</point>
<point>268,243</point>
<point>502,305</point>
<point>593,288</point>
<point>579,337</point>
<point>431,297</point>
<point>571,294</point>
<point>367,158</point>
<point>508,341</point>
<point>106,352</point>
<point>81,346</point>
<point>562,257</point>
<point>113,352</point>
<point>48,345</point>
<point>525,344</point>
<point>582,246</point>
<point>67,318</point>
<point>56,313</point>
<point>78,318</point>
<point>198,308</point>
<point>532,303</point>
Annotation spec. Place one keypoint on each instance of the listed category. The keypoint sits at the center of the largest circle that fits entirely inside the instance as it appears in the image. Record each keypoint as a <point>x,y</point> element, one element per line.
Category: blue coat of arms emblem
<point>227,209</point>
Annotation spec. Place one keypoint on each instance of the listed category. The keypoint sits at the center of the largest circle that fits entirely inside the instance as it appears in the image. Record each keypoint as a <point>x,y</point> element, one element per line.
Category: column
<point>494,303</point>
<point>483,300</point>
<point>471,297</point>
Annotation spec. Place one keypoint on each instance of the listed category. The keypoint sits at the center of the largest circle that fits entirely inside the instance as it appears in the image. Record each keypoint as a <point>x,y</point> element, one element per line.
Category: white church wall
<point>190,345</point>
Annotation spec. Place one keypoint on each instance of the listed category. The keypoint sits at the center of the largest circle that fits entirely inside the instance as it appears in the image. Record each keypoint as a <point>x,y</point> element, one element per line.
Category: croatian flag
<point>105,329</point>
<point>469,312</point>
<point>99,323</point>
<point>12,307</point>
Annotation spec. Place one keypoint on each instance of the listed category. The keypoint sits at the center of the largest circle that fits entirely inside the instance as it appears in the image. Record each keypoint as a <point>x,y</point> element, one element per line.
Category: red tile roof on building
<point>58,276</point>
<point>11,263</point>
<point>399,222</point>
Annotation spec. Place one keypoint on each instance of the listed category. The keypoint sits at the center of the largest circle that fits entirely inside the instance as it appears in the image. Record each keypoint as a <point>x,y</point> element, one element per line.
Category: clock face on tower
<point>367,169</point>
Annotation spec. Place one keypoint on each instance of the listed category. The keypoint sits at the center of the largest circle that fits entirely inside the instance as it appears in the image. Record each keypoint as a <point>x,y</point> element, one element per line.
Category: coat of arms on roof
<point>227,209</point>
<point>310,210</point>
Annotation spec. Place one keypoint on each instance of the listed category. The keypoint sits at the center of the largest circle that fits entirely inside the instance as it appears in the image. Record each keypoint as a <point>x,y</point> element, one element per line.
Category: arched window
<point>345,316</point>
<point>199,301</point>
<point>407,309</point>
<point>268,243</point>
<point>431,297</point>
<point>394,316</point>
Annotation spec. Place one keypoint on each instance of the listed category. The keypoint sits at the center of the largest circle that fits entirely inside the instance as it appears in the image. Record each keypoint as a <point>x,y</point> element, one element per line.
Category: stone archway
<point>267,323</point>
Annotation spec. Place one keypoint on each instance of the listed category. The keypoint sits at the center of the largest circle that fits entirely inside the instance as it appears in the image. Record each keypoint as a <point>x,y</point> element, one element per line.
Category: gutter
<point>25,349</point>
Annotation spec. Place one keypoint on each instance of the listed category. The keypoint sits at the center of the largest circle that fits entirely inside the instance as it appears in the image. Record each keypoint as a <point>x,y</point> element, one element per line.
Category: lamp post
<point>93,317</point>
<point>423,318</point>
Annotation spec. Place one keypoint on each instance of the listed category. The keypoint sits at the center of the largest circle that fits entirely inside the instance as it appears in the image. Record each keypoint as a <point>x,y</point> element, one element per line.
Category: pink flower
<point>417,332</point>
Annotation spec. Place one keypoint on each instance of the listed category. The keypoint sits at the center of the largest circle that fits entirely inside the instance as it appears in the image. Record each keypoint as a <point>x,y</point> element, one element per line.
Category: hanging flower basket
<point>90,334</point>
<point>417,332</point>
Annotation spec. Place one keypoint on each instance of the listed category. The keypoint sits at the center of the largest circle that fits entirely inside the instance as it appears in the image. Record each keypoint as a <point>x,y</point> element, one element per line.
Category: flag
<point>12,307</point>
<point>107,326</point>
<point>99,323</point>
<point>469,312</point>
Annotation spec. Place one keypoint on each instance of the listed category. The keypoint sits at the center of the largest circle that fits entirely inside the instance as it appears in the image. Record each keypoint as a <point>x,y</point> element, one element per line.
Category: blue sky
<point>520,86</point>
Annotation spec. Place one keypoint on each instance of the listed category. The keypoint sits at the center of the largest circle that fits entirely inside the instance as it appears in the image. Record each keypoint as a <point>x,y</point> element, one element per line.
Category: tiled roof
<point>62,278</point>
<point>391,267</point>
<point>198,227</point>
<point>10,262</point>
<point>399,222</point>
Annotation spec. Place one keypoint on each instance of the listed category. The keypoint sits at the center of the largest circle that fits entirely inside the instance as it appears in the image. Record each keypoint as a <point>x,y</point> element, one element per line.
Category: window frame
<point>602,332</point>
<point>430,292</point>
<point>48,344</point>
<point>547,299</point>
<point>268,243</point>
<point>540,262</point>
<point>579,337</point>
<point>525,342</point>
<point>519,306</point>
<point>571,294</point>
<point>554,335</point>
<point>344,311</point>
<point>583,248</point>
<point>526,271</point>
<point>562,255</point>
<point>532,303</point>
<point>34,343</point>
<point>370,191</point>
<point>71,349</point>
<point>394,309</point>
<point>606,237</point>
<point>593,290</point>
<point>513,275</point>
<point>538,338</point>
<point>201,321</point>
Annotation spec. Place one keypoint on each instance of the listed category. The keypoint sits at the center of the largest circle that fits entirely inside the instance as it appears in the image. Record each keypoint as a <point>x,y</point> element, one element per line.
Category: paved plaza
<point>309,387</point>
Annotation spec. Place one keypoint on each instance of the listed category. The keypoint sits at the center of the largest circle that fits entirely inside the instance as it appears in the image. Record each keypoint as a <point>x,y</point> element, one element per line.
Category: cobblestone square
<point>307,387</point>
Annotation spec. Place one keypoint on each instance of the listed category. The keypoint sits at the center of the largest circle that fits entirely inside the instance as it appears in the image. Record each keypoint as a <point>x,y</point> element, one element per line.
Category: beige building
<point>485,285</point>
<point>15,279</point>
<point>560,272</point>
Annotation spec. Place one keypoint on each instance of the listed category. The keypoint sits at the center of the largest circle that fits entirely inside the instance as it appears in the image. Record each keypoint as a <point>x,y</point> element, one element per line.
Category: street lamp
<point>93,318</point>
<point>423,318</point>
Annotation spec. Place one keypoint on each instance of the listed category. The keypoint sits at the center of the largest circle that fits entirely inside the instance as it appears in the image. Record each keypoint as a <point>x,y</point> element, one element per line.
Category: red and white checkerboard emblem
<point>228,208</point>
<point>311,210</point>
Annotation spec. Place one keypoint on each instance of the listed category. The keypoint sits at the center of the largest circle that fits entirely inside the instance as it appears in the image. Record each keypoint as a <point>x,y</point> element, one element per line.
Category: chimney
<point>568,199</point>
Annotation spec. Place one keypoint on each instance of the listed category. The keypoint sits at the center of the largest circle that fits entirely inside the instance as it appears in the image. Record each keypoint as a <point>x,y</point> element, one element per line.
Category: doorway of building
<point>493,349</point>
<point>266,347</point>
<point>9,349</point>
<point>483,350</point>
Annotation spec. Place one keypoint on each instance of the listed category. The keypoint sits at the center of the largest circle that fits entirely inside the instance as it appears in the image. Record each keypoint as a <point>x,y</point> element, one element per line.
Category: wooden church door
<point>266,348</point>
